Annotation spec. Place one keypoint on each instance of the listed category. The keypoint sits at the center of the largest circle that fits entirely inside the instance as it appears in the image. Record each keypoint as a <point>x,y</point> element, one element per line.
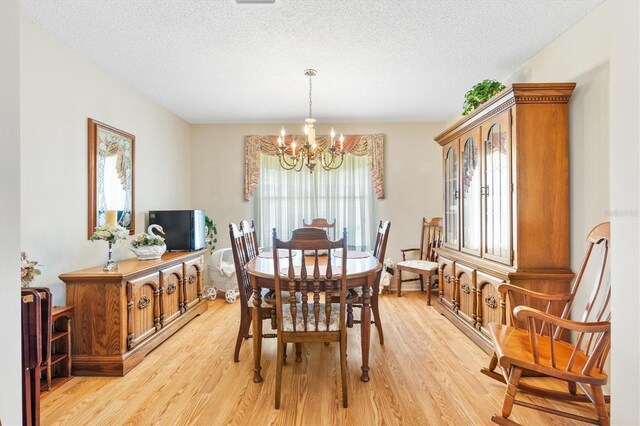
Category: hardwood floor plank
<point>428,372</point>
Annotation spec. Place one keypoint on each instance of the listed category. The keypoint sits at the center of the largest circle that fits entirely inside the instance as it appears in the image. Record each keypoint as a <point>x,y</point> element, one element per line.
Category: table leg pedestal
<point>365,330</point>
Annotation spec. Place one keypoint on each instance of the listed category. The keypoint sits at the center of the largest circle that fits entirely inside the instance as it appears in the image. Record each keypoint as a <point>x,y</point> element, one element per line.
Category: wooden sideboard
<point>506,203</point>
<point>121,316</point>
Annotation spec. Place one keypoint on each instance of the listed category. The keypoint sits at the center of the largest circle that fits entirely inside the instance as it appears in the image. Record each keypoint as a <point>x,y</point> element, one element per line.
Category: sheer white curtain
<point>283,198</point>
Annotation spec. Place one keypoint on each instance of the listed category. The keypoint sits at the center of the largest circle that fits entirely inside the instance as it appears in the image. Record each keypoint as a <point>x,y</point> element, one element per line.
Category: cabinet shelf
<point>58,370</point>
<point>58,335</point>
<point>56,358</point>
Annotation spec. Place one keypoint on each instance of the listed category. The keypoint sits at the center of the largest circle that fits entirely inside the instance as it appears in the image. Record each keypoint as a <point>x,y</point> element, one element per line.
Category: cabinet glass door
<point>451,196</point>
<point>497,190</point>
<point>471,200</point>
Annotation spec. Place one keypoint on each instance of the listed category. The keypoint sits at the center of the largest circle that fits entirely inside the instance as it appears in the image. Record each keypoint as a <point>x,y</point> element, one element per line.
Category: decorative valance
<point>369,145</point>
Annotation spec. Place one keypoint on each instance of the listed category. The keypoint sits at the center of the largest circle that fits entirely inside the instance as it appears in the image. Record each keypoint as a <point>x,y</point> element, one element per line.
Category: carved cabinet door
<point>143,309</point>
<point>488,301</point>
<point>192,282</point>
<point>171,300</point>
<point>466,290</point>
<point>446,282</point>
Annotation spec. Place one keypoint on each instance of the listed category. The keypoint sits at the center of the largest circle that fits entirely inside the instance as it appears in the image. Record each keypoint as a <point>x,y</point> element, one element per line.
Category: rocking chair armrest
<point>525,312</point>
<point>504,288</point>
<point>405,251</point>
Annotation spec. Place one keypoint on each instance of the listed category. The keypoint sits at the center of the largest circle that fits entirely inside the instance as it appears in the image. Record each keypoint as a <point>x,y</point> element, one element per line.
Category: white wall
<point>413,175</point>
<point>60,89</point>
<point>625,231</point>
<point>10,360</point>
<point>600,53</point>
<point>581,55</point>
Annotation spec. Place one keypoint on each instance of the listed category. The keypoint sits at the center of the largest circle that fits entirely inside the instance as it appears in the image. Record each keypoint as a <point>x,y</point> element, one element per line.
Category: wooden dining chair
<point>250,239</point>
<point>379,250</point>
<point>241,256</point>
<point>310,321</point>
<point>426,265</point>
<point>534,341</point>
<point>320,222</point>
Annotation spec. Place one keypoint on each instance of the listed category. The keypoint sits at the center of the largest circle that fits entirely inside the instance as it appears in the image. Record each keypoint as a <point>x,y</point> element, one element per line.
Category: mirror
<point>111,167</point>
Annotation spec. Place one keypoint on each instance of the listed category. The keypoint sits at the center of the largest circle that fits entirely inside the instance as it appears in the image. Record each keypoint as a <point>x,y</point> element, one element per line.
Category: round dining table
<point>361,272</point>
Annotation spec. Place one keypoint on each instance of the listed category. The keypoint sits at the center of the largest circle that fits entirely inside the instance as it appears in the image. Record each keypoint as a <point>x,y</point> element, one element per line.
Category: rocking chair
<point>537,348</point>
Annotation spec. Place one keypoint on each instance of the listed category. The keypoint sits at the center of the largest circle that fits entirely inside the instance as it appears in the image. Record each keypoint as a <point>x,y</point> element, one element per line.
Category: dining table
<point>362,270</point>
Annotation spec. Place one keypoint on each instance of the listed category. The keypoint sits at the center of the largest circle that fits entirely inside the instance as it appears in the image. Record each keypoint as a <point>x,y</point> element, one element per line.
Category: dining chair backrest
<point>324,282</point>
<point>382,235</point>
<point>431,238</point>
<point>320,222</point>
<point>250,238</point>
<point>240,259</point>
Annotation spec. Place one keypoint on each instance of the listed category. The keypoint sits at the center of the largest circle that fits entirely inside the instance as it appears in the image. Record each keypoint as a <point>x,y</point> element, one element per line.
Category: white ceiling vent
<point>255,1</point>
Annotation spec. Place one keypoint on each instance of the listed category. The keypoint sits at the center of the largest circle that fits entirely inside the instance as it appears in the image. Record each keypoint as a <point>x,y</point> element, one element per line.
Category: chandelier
<point>329,154</point>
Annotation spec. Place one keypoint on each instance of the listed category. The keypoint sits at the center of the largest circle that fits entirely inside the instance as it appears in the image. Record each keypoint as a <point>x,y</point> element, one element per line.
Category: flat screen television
<point>184,229</point>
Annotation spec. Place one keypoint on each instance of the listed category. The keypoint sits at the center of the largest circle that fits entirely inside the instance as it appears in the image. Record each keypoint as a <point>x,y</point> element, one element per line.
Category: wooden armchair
<point>315,320</point>
<point>427,263</point>
<point>242,254</point>
<point>532,345</point>
<point>320,222</point>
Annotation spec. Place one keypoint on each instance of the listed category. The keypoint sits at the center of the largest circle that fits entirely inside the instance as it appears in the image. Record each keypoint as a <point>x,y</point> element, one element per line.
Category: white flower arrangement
<point>28,270</point>
<point>110,233</point>
<point>144,239</point>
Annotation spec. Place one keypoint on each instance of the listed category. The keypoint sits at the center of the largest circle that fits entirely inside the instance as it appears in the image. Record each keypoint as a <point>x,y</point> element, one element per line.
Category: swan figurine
<point>148,245</point>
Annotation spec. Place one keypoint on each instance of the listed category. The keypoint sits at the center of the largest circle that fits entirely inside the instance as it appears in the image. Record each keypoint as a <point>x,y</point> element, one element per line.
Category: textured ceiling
<point>215,61</point>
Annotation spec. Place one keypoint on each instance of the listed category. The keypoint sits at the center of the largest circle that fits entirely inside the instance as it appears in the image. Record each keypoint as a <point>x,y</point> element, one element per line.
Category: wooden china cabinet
<point>506,203</point>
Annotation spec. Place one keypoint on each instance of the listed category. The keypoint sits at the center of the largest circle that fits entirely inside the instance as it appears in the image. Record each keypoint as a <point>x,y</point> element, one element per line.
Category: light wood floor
<point>426,373</point>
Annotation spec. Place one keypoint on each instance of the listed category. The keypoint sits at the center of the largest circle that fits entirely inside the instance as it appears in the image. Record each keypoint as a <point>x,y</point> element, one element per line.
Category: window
<point>284,198</point>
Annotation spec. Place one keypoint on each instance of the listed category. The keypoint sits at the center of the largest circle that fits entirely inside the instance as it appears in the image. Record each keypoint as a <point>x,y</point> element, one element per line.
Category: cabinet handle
<point>171,288</point>
<point>465,288</point>
<point>456,194</point>
<point>144,302</point>
<point>447,278</point>
<point>491,302</point>
<point>192,279</point>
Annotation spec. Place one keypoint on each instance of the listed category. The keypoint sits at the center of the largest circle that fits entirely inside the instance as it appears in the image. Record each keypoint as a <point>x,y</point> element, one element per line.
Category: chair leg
<point>243,332</point>
<point>298,352</point>
<point>510,394</point>
<point>376,313</point>
<point>350,315</point>
<point>428,288</point>
<point>343,369</point>
<point>601,409</point>
<point>284,354</point>
<point>573,389</point>
<point>494,362</point>
<point>421,283</point>
<point>279,356</point>
<point>399,282</point>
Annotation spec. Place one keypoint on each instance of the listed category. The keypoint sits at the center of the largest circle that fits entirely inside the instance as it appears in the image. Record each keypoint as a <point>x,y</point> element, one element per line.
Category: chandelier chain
<point>310,116</point>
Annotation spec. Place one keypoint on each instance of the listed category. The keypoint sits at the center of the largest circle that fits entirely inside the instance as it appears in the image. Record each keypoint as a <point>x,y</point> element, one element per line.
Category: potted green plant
<point>480,93</point>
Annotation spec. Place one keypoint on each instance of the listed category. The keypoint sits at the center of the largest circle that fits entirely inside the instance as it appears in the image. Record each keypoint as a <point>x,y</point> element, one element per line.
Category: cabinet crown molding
<point>514,94</point>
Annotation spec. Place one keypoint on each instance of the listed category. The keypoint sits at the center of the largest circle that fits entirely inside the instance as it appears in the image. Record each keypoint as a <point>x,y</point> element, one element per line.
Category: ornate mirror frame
<point>99,131</point>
